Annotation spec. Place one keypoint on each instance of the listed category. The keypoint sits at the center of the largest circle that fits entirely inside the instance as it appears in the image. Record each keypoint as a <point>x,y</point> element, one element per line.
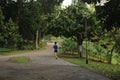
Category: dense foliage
<point>76,21</point>
<point>109,14</point>
<point>24,21</point>
<point>23,25</point>
<point>69,46</point>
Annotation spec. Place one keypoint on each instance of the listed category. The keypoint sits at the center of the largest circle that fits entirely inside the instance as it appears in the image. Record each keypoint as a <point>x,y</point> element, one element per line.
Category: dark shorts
<point>55,50</point>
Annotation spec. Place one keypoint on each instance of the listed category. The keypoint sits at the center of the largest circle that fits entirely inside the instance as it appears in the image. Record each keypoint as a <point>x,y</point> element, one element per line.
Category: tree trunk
<point>36,40</point>
<point>110,55</point>
<point>79,41</point>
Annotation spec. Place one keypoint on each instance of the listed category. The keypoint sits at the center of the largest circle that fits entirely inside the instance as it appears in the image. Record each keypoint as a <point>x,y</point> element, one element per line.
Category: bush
<point>42,44</point>
<point>96,51</point>
<point>69,46</point>
<point>28,47</point>
<point>116,59</point>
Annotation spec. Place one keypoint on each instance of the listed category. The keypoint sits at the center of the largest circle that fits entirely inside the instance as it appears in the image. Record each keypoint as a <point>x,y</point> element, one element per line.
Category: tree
<point>48,5</point>
<point>71,23</point>
<point>91,1</point>
<point>32,20</point>
<point>109,14</point>
<point>1,17</point>
<point>1,27</point>
<point>11,34</point>
<point>28,14</point>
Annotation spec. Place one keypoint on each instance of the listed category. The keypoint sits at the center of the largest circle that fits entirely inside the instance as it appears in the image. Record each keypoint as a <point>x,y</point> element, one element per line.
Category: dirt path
<point>44,66</point>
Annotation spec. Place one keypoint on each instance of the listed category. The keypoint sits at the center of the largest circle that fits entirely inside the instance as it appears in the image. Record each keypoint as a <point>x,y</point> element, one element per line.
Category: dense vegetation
<point>24,24</point>
<point>83,24</point>
<point>95,50</point>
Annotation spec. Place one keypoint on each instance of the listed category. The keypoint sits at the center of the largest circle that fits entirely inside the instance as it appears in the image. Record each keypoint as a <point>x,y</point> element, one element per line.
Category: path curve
<point>44,66</point>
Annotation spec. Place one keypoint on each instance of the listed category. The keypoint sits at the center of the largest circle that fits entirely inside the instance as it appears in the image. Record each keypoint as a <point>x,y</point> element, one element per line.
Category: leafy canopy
<point>71,22</point>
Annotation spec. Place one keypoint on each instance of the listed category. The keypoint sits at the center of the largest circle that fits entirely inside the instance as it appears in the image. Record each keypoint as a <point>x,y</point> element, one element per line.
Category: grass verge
<point>111,71</point>
<point>4,50</point>
<point>21,59</point>
<point>10,52</point>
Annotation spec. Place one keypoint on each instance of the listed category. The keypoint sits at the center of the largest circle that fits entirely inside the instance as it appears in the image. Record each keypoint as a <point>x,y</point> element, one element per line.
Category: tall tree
<point>109,14</point>
<point>11,11</point>
<point>1,27</point>
<point>32,20</point>
<point>48,5</point>
<point>27,14</point>
<point>11,34</point>
<point>71,23</point>
<point>91,1</point>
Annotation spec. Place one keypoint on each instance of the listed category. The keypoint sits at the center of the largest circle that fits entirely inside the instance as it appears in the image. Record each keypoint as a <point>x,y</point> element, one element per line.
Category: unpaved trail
<point>44,66</point>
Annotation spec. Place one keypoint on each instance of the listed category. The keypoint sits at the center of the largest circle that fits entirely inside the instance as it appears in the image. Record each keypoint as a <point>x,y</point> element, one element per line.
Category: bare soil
<point>44,66</point>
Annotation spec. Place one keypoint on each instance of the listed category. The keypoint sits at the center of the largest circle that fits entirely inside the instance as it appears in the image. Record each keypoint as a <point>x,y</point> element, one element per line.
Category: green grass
<point>4,50</point>
<point>9,52</point>
<point>20,59</point>
<point>112,71</point>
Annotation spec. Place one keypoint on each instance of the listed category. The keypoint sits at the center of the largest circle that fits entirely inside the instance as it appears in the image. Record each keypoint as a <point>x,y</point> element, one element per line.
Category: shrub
<point>69,46</point>
<point>28,47</point>
<point>116,59</point>
<point>42,44</point>
<point>96,51</point>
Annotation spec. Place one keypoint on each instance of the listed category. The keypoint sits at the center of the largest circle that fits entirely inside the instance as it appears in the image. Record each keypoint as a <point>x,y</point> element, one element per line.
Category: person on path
<point>55,47</point>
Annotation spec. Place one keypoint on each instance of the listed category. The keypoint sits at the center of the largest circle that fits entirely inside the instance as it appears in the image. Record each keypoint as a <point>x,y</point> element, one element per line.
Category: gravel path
<point>44,66</point>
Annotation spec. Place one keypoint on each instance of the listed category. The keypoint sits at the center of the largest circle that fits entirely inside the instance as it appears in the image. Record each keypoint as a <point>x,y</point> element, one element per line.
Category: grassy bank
<point>111,71</point>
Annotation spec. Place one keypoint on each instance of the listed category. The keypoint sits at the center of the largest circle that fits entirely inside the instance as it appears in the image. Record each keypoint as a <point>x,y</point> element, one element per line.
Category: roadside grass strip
<point>109,70</point>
